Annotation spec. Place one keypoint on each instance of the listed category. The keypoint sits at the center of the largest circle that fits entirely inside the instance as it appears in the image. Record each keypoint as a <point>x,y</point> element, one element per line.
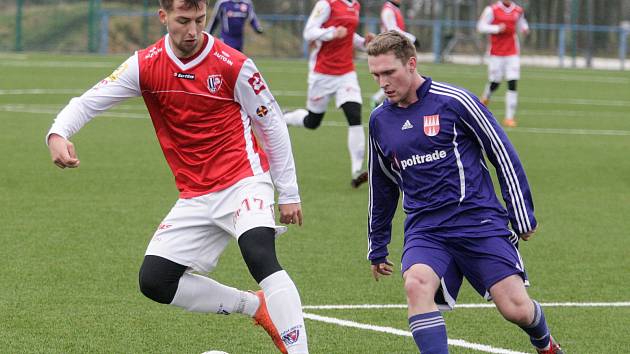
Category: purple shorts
<point>482,260</point>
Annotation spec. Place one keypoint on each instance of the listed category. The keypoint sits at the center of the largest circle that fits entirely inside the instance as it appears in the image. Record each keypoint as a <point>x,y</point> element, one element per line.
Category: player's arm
<point>313,30</point>
<point>510,172</point>
<point>121,84</point>
<point>484,25</point>
<point>252,93</point>
<point>388,18</point>
<point>522,25</point>
<point>216,16</point>
<point>383,200</point>
<point>253,19</point>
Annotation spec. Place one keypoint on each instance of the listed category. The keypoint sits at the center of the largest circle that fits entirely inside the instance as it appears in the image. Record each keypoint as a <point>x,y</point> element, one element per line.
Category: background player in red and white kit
<point>206,101</point>
<point>503,20</point>
<point>392,19</point>
<point>331,32</point>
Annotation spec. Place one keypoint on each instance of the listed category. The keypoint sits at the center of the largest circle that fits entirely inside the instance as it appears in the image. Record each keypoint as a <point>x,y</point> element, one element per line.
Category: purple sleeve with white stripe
<point>383,200</point>
<point>511,175</point>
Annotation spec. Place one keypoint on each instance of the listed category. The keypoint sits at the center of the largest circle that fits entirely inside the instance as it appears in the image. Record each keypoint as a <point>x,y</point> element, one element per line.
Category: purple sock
<point>429,332</point>
<point>537,330</point>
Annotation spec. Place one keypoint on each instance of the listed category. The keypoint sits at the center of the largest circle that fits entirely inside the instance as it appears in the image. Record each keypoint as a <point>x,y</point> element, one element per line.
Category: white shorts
<point>196,231</point>
<point>504,67</point>
<point>321,87</point>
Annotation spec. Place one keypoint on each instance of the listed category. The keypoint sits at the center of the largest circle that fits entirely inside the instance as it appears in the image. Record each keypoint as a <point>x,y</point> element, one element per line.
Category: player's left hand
<point>382,269</point>
<point>290,213</point>
<point>527,235</point>
<point>369,37</point>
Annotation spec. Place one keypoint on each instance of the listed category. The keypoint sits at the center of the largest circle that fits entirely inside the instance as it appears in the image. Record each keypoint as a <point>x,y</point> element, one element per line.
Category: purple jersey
<point>232,15</point>
<point>433,151</point>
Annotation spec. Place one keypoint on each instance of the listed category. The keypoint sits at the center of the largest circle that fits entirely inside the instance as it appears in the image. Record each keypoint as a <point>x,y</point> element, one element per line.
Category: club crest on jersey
<point>214,83</point>
<point>257,83</point>
<point>432,125</point>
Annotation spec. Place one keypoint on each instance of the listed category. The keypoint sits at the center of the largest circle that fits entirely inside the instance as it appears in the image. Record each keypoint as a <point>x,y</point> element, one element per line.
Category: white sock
<point>511,99</point>
<point>379,96</point>
<point>197,293</point>
<point>285,310</point>
<point>356,147</point>
<point>486,92</point>
<point>296,117</point>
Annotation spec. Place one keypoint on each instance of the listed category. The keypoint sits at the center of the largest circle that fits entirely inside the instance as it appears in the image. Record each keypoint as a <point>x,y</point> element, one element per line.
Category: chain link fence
<point>562,28</point>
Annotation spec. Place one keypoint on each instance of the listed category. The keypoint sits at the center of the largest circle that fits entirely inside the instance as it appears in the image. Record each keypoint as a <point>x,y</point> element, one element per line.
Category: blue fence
<point>436,32</point>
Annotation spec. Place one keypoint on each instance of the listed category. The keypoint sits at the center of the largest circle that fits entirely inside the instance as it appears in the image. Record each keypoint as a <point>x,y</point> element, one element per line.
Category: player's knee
<point>313,120</point>
<point>259,252</point>
<point>494,86</point>
<point>419,286</point>
<point>352,111</point>
<point>159,277</point>
<point>518,311</point>
<point>512,85</point>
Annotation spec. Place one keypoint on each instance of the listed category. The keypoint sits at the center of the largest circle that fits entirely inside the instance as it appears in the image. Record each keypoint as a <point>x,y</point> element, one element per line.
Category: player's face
<point>394,77</point>
<point>184,26</point>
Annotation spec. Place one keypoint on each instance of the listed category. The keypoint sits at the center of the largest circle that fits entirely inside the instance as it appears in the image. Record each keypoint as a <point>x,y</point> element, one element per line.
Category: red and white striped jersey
<point>513,17</point>
<point>393,20</point>
<point>204,112</point>
<point>333,56</point>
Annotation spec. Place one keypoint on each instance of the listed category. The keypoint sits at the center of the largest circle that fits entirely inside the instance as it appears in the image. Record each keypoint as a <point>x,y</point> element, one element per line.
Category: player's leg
<point>494,267</point>
<point>515,305</point>
<point>255,226</point>
<point>423,265</point>
<point>513,73</point>
<point>495,75</point>
<point>348,98</point>
<point>175,248</point>
<point>320,88</point>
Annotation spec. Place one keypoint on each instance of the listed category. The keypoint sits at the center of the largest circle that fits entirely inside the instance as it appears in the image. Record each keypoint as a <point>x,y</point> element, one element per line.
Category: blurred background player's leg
<point>512,75</point>
<point>356,142</point>
<point>377,98</point>
<point>488,90</point>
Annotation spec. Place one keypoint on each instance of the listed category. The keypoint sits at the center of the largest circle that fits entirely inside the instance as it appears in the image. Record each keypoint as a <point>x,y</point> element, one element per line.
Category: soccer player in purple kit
<point>232,15</point>
<point>427,140</point>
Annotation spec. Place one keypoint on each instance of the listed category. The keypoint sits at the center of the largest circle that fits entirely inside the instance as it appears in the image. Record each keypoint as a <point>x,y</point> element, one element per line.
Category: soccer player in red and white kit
<point>392,20</point>
<point>331,32</point>
<point>503,20</point>
<point>206,101</point>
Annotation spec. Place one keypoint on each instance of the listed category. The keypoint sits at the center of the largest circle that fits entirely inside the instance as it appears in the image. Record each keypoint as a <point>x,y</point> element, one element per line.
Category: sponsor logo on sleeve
<point>262,111</point>
<point>184,76</point>
<point>432,125</point>
<point>257,83</point>
<point>214,83</point>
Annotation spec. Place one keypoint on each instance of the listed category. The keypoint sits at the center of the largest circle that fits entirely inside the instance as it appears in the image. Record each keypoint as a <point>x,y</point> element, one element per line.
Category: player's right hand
<point>501,27</point>
<point>62,152</point>
<point>527,235</point>
<point>382,269</point>
<point>340,32</point>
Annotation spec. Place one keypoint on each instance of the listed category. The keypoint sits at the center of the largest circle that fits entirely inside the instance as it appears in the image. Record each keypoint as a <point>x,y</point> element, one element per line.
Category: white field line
<point>398,332</point>
<point>467,306</point>
<point>53,112</point>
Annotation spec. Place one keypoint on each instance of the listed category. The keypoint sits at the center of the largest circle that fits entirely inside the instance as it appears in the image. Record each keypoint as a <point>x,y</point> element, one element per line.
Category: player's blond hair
<point>392,42</point>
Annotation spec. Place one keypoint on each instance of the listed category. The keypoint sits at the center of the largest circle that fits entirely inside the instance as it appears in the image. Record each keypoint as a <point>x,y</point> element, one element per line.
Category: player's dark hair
<point>167,5</point>
<point>392,42</point>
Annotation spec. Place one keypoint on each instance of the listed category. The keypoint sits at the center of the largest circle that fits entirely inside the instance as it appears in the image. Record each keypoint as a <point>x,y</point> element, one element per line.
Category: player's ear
<point>411,64</point>
<point>162,16</point>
